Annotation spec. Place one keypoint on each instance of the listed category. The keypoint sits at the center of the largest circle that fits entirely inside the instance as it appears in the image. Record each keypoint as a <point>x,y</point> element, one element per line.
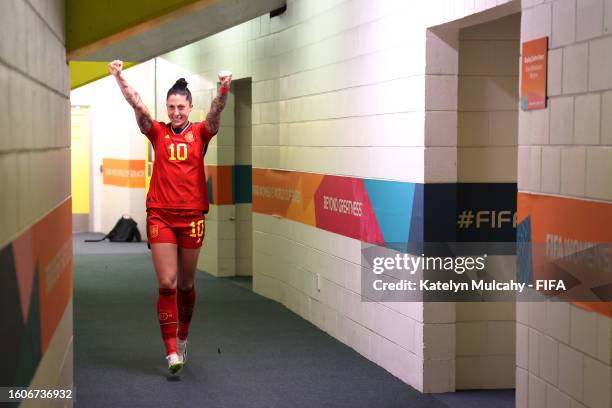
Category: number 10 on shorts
<point>197,229</point>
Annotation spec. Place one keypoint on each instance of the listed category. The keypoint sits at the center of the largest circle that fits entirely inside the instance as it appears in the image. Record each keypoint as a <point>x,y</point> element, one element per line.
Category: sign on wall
<point>569,240</point>
<point>534,62</point>
<point>124,173</point>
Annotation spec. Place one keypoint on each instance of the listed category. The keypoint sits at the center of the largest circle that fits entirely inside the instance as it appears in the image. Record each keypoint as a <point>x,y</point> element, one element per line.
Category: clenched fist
<point>115,67</point>
<point>225,77</point>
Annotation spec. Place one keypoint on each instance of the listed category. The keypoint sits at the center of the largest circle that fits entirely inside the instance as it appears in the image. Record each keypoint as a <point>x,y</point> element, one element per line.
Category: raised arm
<point>143,117</point>
<point>213,119</point>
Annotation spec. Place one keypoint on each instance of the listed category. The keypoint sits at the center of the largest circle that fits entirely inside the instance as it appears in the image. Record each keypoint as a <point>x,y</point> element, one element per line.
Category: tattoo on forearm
<point>133,98</point>
<point>144,123</point>
<point>213,119</point>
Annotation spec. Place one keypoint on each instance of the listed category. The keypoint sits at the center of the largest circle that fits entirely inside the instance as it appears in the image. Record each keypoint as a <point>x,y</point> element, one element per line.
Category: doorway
<point>80,159</point>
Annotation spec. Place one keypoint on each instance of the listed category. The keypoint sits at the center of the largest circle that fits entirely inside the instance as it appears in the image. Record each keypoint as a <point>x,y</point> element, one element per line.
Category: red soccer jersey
<point>178,179</point>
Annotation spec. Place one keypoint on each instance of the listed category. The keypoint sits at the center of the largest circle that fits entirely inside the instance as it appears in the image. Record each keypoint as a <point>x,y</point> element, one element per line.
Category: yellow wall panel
<point>80,159</point>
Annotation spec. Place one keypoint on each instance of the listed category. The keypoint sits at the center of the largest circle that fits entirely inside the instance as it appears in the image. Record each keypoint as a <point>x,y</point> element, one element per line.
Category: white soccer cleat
<point>175,363</point>
<point>182,349</point>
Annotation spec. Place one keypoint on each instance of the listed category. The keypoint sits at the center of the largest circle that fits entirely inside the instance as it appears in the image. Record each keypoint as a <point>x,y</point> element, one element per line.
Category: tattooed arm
<point>213,118</point>
<point>143,117</point>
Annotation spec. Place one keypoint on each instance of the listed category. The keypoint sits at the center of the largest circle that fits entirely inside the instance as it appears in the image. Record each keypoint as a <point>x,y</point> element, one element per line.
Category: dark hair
<point>180,88</point>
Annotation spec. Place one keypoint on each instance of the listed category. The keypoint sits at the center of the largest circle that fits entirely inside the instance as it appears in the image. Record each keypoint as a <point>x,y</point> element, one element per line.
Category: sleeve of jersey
<point>155,131</point>
<point>206,135</point>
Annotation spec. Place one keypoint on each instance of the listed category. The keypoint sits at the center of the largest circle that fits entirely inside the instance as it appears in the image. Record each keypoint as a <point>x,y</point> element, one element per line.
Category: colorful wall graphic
<point>35,288</point>
<point>124,173</point>
<point>389,212</point>
<point>568,239</point>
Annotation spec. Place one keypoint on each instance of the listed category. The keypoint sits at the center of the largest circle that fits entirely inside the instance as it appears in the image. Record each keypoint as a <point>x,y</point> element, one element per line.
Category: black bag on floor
<point>125,230</point>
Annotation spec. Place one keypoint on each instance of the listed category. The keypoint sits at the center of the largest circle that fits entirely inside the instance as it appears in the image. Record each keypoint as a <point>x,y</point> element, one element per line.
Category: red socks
<point>185,301</point>
<point>167,316</point>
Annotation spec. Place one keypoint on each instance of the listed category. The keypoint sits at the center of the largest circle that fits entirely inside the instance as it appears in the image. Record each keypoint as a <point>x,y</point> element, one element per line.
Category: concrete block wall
<point>488,101</point>
<point>563,352</point>
<point>34,87</point>
<point>35,143</point>
<point>563,356</point>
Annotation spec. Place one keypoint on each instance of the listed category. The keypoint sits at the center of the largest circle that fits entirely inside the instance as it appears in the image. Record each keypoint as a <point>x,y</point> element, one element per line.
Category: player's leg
<point>190,241</point>
<point>187,263</point>
<point>163,245</point>
<point>186,296</point>
<point>165,263</point>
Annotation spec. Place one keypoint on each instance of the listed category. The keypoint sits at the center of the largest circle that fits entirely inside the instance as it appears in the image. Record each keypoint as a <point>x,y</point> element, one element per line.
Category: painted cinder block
<point>438,376</point>
<point>606,118</point>
<point>604,339</point>
<point>540,124</point>
<point>522,346</point>
<point>441,92</point>
<point>501,338</point>
<point>535,168</point>
<point>551,169</point>
<point>571,372</point>
<point>554,79</point>
<point>471,338</point>
<point>536,22</point>
<point>492,164</point>
<point>556,399</point>
<point>522,388</point>
<point>537,316</point>
<point>597,380</point>
<point>534,351</point>
<point>587,119</point>
<point>537,392</point>
<point>583,330</point>
<point>503,127</point>
<point>473,128</point>
<point>549,358</point>
<point>524,168</point>
<point>442,56</point>
<point>563,22</point>
<point>485,372</point>
<point>589,23</point>
<point>598,172</point>
<point>440,165</point>
<point>600,64</point>
<point>561,120</point>
<point>573,163</point>
<point>575,72</point>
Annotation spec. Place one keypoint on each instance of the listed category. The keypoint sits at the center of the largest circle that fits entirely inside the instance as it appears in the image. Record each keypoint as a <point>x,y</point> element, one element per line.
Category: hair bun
<point>181,83</point>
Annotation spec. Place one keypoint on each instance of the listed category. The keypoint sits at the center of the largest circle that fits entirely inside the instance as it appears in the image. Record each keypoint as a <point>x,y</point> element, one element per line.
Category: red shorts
<point>182,227</point>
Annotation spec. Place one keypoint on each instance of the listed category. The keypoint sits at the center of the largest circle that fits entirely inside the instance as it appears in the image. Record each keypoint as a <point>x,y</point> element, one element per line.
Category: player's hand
<point>115,67</point>
<point>225,77</point>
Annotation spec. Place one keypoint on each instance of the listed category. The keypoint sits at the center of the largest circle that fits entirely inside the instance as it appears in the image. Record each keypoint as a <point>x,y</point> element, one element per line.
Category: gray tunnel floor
<point>245,350</point>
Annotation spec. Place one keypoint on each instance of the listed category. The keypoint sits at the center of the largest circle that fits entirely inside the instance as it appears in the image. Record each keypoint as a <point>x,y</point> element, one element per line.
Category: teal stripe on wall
<point>243,184</point>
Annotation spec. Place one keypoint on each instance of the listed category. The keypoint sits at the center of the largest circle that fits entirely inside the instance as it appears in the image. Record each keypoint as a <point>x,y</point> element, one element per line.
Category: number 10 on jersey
<point>178,152</point>
<point>197,229</point>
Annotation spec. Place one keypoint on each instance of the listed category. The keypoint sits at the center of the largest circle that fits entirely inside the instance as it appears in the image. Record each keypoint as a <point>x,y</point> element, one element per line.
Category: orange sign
<point>571,238</point>
<point>534,60</point>
<point>124,173</point>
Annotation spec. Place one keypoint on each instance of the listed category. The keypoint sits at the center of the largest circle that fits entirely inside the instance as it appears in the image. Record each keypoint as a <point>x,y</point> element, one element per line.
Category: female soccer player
<point>176,202</point>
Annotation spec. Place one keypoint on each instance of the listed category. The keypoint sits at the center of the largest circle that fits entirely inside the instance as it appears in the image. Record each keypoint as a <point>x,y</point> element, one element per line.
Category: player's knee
<point>185,286</point>
<point>167,283</point>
